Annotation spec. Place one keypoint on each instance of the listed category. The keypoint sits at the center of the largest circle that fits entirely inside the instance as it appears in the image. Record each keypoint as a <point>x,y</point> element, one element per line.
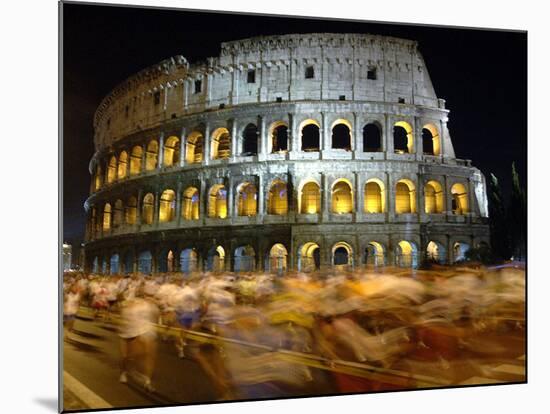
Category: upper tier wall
<point>344,66</point>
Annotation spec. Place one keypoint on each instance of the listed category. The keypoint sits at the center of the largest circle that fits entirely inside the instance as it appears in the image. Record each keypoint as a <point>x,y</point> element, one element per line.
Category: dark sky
<point>481,74</point>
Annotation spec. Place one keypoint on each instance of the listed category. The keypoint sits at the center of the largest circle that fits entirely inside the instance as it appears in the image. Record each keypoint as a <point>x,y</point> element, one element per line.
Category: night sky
<point>481,74</point>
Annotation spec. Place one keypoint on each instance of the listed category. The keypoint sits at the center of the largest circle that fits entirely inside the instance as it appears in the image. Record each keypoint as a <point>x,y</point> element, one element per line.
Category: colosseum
<point>285,152</point>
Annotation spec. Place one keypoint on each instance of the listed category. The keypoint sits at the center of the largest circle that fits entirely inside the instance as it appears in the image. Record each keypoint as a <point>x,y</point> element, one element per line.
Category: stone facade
<point>295,151</point>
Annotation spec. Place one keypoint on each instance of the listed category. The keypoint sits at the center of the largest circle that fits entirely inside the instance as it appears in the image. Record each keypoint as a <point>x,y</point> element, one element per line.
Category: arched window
<point>374,254</point>
<point>135,160</point>
<point>122,165</point>
<point>148,209</point>
<point>342,254</point>
<point>247,200</point>
<point>221,144</point>
<point>114,262</point>
<point>250,140</point>
<point>107,217</point>
<point>341,135</point>
<point>405,197</point>
<point>190,210</point>
<point>310,136</point>
<point>216,259</point>
<point>118,214</point>
<point>311,199</point>
<point>375,197</point>
<point>372,138</point>
<point>167,208</point>
<point>277,202</point>
<point>309,257</point>
<point>245,259</point>
<point>460,199</point>
<point>406,254</point>
<point>217,202</point>
<point>435,252</point>
<point>342,198</point>
<point>131,211</point>
<point>459,251</point>
<point>151,155</point>
<point>171,151</point>
<point>98,177</point>
<point>111,170</point>
<point>189,260</point>
<point>402,138</point>
<point>278,258</point>
<point>145,262</point>
<point>430,140</point>
<point>279,137</point>
<point>433,198</point>
<point>194,148</point>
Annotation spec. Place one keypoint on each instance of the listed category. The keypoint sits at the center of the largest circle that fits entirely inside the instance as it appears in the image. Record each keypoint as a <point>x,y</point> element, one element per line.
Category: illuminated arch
<point>151,155</point>
<point>145,262</point>
<point>190,208</point>
<point>309,257</point>
<point>460,199</point>
<point>278,258</point>
<point>341,134</point>
<point>122,165</point>
<point>431,143</point>
<point>278,131</point>
<point>111,170</point>
<point>342,254</point>
<point>107,217</point>
<point>375,196</point>
<point>130,212</point>
<point>435,252</point>
<point>216,259</point>
<point>459,251</point>
<point>406,254</point>
<point>171,151</point>
<point>403,137</point>
<point>405,197</point>
<point>374,254</point>
<point>310,135</point>
<point>147,209</point>
<point>167,208</point>
<point>118,214</point>
<point>221,144</point>
<point>194,148</point>
<point>245,259</point>
<point>189,260</point>
<point>342,197</point>
<point>310,199</point>
<point>217,201</point>
<point>135,160</point>
<point>247,199</point>
<point>433,197</point>
<point>277,198</point>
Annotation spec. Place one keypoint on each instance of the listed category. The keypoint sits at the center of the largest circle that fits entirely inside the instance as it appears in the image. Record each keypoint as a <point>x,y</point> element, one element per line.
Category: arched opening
<point>167,210</point>
<point>402,138</point>
<point>98,180</point>
<point>459,251</point>
<point>118,214</point>
<point>431,144</point>
<point>375,196</point>
<point>194,148</point>
<point>277,202</point>
<point>145,262</point>
<point>342,198</point>
<point>148,208</point>
<point>435,252</point>
<point>374,254</point>
<point>405,197</point>
<point>278,258</point>
<point>406,254</point>
<point>151,155</point>
<point>310,201</point>
<point>130,212</point>
<point>342,254</point>
<point>372,138</point>
<point>279,137</point>
<point>129,262</point>
<point>247,200</point>
<point>107,217</point>
<point>216,259</point>
<point>341,135</point>
<point>189,261</point>
<point>190,210</point>
<point>135,160</point>
<point>171,151</point>
<point>250,140</point>
<point>217,202</point>
<point>114,264</point>
<point>111,170</point>
<point>166,262</point>
<point>122,165</point>
<point>460,199</point>
<point>245,259</point>
<point>221,144</point>
<point>310,136</point>
<point>309,257</point>
<point>433,198</point>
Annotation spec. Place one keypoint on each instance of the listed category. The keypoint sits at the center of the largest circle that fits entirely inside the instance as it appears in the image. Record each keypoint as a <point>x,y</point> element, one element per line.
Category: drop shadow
<point>49,403</point>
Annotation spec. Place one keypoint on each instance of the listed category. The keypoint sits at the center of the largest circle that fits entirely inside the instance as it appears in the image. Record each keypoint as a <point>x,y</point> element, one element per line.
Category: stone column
<point>231,202</point>
<point>262,153</point>
<point>206,149</point>
<point>421,202</point>
<point>388,136</point>
<point>359,196</point>
<point>178,203</point>
<point>139,207</point>
<point>261,196</point>
<point>357,135</point>
<point>293,135</point>
<point>156,209</point>
<point>203,199</point>
<point>417,139</point>
<point>143,158</point>
<point>183,140</point>
<point>161,151</point>
<point>325,199</point>
<point>325,133</point>
<point>234,140</point>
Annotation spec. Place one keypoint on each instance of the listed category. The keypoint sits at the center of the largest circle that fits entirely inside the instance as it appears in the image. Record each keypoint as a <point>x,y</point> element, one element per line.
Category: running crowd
<point>420,323</point>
